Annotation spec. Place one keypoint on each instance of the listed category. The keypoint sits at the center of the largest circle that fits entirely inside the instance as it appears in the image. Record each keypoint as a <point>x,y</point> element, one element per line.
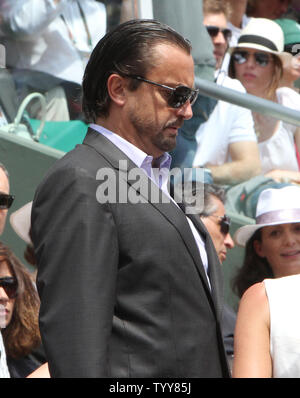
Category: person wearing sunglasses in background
<point>258,61</point>
<point>126,291</point>
<point>6,201</point>
<point>19,307</point>
<point>268,328</point>
<point>227,145</point>
<point>217,223</point>
<point>244,10</point>
<point>20,221</point>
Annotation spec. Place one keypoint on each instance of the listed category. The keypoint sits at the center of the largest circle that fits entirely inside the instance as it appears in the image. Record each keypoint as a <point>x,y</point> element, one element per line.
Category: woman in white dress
<point>267,334</point>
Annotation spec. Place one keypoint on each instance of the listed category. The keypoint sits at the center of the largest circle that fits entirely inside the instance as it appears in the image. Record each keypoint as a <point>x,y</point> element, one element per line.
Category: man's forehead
<point>162,46</point>
<point>173,60</point>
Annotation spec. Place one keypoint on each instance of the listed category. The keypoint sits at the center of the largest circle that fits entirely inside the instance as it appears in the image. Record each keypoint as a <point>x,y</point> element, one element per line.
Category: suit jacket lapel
<point>214,266</point>
<point>174,214</point>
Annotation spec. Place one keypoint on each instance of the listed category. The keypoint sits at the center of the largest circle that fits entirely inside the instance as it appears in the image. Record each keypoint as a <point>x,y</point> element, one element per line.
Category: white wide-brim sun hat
<point>274,207</point>
<point>20,221</point>
<point>264,35</point>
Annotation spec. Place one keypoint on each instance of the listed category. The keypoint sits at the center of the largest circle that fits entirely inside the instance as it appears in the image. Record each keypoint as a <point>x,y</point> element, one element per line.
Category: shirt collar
<point>136,155</point>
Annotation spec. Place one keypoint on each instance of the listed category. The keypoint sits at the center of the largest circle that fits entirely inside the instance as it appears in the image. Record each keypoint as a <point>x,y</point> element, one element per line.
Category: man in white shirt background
<point>227,144</point>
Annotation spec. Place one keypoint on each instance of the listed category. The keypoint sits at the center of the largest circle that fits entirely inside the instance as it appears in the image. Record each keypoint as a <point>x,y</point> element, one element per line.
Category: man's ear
<point>116,87</point>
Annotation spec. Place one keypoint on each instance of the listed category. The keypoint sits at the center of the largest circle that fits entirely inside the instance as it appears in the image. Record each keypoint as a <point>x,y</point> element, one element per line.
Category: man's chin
<point>222,257</point>
<point>169,144</point>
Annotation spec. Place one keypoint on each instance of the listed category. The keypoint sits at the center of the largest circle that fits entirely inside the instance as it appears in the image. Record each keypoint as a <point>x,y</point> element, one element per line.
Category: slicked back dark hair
<point>126,50</point>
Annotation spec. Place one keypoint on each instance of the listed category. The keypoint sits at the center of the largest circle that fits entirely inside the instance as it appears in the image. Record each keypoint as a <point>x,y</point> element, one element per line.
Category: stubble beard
<point>150,132</point>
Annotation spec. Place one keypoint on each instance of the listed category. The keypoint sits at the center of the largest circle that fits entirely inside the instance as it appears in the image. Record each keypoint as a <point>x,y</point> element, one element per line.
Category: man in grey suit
<point>130,285</point>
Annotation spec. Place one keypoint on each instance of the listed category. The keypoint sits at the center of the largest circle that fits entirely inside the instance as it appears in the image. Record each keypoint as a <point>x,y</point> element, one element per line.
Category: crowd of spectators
<point>20,341</point>
<point>255,46</point>
<point>47,47</point>
<point>227,144</point>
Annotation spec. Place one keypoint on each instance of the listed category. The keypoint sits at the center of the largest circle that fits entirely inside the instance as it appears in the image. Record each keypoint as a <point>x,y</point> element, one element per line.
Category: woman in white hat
<point>276,209</point>
<point>258,61</point>
<point>268,326</point>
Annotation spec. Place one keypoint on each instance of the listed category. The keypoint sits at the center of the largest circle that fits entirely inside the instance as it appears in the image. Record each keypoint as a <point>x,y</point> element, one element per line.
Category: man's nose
<point>229,243</point>
<point>219,39</point>
<point>3,295</point>
<point>185,111</point>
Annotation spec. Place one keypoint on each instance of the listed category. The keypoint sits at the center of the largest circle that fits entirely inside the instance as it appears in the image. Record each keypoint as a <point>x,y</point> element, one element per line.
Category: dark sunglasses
<point>6,200</point>
<point>177,96</point>
<point>10,286</point>
<point>261,59</point>
<point>224,223</point>
<point>293,49</point>
<point>213,31</point>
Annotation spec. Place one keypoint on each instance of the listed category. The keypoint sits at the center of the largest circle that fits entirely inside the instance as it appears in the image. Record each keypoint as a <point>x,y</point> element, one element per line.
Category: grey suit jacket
<point>122,286</point>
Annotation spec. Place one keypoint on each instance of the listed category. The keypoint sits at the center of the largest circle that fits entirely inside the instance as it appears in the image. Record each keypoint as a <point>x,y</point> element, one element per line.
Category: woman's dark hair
<point>126,50</point>
<point>254,269</point>
<point>22,334</point>
<point>251,7</point>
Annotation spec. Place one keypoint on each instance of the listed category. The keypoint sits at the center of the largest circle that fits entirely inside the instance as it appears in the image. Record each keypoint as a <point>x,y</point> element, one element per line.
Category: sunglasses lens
<point>227,34</point>
<point>225,224</point>
<point>212,30</point>
<point>261,59</point>
<point>240,57</point>
<point>193,97</point>
<point>181,95</point>
<point>224,228</point>
<point>10,286</point>
<point>6,201</point>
